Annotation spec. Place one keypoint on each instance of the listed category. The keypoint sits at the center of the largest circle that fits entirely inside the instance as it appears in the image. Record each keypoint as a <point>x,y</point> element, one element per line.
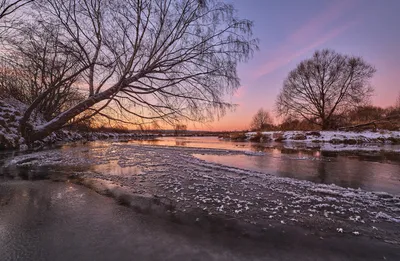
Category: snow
<point>382,136</point>
<point>10,113</point>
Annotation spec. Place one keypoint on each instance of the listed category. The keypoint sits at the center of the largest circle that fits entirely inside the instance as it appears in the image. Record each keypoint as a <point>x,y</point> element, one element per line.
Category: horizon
<point>360,28</point>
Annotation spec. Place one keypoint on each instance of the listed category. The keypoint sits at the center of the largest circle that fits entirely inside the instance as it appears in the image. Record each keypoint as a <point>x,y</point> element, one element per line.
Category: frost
<point>387,217</point>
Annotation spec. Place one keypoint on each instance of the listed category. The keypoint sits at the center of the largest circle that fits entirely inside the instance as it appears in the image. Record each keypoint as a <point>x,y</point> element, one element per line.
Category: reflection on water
<point>374,152</point>
<point>318,167</point>
<point>373,167</point>
<point>377,170</point>
<point>113,168</point>
<point>197,142</point>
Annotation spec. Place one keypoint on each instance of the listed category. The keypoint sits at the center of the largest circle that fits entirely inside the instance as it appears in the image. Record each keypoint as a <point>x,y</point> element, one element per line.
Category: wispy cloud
<point>317,31</point>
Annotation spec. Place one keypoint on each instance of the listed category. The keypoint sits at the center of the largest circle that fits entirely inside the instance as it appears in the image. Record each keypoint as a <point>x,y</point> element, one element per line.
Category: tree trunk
<point>325,124</point>
<point>32,134</point>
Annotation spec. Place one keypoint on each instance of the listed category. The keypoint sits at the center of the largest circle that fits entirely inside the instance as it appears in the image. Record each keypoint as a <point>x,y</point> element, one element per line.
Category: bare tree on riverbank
<point>261,120</point>
<point>34,64</point>
<point>149,59</point>
<point>324,87</point>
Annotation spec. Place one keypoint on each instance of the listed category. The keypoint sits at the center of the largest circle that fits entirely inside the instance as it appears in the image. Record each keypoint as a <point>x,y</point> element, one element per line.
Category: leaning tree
<point>147,59</point>
<point>324,87</point>
<point>35,64</point>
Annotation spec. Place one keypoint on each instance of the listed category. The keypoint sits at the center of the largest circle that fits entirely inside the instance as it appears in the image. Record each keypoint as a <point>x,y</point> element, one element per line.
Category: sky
<point>291,31</point>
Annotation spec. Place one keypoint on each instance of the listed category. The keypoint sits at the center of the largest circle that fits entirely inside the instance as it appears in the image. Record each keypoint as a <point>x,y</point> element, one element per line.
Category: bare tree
<point>8,17</point>
<point>180,128</point>
<point>8,7</point>
<point>326,85</point>
<point>397,105</point>
<point>42,66</point>
<point>159,59</point>
<point>261,120</point>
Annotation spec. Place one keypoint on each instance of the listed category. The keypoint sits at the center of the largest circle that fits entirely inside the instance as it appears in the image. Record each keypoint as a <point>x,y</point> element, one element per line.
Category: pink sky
<point>290,31</point>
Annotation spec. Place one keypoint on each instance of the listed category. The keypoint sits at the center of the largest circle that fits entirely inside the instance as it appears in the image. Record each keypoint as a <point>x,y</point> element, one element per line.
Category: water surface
<point>43,220</point>
<point>372,167</point>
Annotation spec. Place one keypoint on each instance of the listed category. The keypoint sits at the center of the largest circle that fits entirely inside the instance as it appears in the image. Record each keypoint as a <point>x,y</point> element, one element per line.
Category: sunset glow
<point>290,31</point>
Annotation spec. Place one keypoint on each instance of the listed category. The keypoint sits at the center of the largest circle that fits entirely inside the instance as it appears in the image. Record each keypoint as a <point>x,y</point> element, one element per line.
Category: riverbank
<point>11,112</point>
<point>331,137</point>
<point>170,182</point>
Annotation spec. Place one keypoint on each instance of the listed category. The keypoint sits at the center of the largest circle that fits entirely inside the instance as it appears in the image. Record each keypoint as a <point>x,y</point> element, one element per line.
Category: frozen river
<point>374,168</point>
<point>219,195</point>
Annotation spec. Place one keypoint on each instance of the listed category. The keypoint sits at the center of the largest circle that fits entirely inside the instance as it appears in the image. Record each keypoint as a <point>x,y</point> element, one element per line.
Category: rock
<point>314,133</point>
<point>335,141</point>
<point>265,138</point>
<point>351,141</point>
<point>299,136</point>
<point>23,147</point>
<point>277,135</point>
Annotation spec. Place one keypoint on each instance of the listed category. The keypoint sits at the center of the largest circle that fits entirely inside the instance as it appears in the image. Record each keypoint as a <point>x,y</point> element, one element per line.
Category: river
<point>45,220</point>
<point>377,169</point>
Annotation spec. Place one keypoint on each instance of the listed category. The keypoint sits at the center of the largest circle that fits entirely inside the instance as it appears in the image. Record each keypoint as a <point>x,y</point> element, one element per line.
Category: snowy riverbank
<point>11,112</point>
<point>333,137</point>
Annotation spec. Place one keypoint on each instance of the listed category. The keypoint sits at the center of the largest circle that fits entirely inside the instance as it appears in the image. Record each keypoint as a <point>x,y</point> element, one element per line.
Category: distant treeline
<point>361,118</point>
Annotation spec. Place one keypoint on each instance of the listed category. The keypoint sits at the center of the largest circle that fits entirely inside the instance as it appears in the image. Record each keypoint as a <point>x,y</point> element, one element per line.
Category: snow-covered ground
<point>338,147</point>
<point>10,114</point>
<point>189,184</point>
<point>382,136</point>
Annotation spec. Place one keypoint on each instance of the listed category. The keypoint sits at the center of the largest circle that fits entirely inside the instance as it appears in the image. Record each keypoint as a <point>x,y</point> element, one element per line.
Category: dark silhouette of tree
<point>261,120</point>
<point>365,114</point>
<point>180,128</point>
<point>296,124</point>
<point>41,67</point>
<point>9,18</point>
<point>324,87</point>
<point>151,60</point>
<point>8,7</point>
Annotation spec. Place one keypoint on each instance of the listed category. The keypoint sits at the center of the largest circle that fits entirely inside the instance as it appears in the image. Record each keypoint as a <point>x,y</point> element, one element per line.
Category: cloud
<point>309,36</point>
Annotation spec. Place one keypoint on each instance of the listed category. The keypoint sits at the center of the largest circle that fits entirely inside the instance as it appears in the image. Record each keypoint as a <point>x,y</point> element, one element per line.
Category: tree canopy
<point>323,87</point>
<point>146,59</point>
